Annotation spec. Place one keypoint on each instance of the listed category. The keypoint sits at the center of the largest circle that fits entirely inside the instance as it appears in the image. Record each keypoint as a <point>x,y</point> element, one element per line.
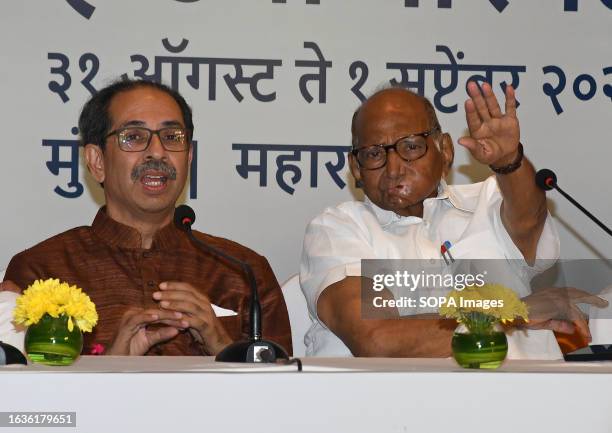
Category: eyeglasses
<point>410,148</point>
<point>138,139</point>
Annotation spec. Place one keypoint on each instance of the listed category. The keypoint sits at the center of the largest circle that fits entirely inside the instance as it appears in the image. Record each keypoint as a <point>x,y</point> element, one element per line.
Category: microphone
<point>255,349</point>
<point>11,355</point>
<point>547,179</point>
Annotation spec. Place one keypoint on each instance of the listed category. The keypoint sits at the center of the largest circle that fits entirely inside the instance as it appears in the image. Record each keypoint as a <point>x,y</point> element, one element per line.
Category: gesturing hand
<point>494,137</point>
<point>556,309</point>
<point>198,314</point>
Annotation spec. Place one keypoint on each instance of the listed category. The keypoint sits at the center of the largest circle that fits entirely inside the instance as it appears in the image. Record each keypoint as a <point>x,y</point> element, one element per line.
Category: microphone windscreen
<point>546,179</point>
<point>184,216</point>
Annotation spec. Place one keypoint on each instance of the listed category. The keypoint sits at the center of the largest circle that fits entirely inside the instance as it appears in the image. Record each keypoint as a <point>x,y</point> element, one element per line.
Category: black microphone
<point>255,349</point>
<point>547,179</point>
<point>11,355</point>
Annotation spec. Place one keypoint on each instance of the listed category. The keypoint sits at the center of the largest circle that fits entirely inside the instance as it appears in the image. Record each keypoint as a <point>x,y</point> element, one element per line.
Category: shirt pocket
<point>481,245</point>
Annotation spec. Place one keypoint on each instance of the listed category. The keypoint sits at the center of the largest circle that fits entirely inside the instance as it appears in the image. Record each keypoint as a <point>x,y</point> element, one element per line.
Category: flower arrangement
<point>55,298</point>
<point>479,308</point>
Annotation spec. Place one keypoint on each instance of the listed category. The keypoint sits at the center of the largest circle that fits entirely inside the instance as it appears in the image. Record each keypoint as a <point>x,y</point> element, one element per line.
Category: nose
<point>395,166</point>
<point>156,149</point>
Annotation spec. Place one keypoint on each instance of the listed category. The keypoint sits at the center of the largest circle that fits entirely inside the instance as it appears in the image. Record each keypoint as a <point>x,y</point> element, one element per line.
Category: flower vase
<point>50,342</point>
<point>482,348</point>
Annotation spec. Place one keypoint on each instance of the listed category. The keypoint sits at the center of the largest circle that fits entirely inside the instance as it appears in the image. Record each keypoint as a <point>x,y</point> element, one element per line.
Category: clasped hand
<point>181,307</point>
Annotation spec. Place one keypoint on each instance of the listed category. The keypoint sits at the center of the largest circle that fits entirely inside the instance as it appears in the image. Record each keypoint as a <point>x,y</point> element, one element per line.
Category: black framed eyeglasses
<point>409,148</point>
<point>138,138</point>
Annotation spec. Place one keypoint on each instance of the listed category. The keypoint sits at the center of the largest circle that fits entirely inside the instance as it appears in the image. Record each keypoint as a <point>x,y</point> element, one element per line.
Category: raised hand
<point>494,136</point>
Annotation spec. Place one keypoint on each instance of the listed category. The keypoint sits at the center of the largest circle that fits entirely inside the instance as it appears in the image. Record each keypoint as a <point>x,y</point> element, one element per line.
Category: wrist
<point>112,351</point>
<point>119,348</point>
<point>211,341</point>
<point>509,164</point>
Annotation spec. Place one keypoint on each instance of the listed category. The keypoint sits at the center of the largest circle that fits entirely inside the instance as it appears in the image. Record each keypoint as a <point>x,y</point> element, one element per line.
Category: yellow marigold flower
<point>55,298</point>
<point>482,306</point>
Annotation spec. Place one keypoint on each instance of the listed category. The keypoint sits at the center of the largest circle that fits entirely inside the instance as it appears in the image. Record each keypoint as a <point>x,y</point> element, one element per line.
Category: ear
<point>95,162</point>
<point>354,166</point>
<point>447,150</point>
<point>190,154</point>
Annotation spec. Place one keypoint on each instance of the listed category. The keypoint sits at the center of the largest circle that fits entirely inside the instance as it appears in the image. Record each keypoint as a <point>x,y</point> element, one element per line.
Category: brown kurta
<point>107,262</point>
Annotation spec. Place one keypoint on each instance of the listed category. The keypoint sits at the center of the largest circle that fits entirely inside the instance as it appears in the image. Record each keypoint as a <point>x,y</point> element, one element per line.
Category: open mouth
<point>154,182</point>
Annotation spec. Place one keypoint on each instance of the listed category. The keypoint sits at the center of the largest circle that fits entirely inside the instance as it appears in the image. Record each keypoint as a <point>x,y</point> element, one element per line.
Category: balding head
<point>393,97</point>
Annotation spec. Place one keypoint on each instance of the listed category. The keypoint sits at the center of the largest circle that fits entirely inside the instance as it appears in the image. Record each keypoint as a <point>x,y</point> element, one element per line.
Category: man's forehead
<point>135,105</point>
<point>395,99</point>
<point>391,105</point>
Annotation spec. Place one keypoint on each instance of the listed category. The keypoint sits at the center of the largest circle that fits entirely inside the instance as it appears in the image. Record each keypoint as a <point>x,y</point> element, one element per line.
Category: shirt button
<point>147,254</point>
<point>151,283</point>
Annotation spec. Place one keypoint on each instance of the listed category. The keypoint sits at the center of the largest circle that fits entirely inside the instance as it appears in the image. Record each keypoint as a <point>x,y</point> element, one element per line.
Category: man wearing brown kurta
<point>153,288</point>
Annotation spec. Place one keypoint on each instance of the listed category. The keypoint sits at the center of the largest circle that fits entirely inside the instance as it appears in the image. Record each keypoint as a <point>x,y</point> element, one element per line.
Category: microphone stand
<point>547,180</point>
<point>255,349</point>
<point>11,355</point>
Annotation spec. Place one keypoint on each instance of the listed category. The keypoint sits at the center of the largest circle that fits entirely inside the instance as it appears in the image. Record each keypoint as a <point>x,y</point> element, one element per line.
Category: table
<point>185,394</point>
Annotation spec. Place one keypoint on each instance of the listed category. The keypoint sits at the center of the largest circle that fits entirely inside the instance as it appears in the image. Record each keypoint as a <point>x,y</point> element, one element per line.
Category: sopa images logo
<point>84,9</point>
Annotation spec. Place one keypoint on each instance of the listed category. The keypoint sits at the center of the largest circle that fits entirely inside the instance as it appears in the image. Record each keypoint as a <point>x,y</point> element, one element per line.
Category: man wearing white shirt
<point>401,156</point>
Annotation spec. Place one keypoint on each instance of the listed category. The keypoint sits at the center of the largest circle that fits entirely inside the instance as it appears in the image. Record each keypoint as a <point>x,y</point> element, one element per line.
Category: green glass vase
<point>486,349</point>
<point>50,342</point>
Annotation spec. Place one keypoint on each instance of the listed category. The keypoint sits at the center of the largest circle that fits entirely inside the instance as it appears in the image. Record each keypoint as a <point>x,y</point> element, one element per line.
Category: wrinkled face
<point>399,186</point>
<point>139,185</point>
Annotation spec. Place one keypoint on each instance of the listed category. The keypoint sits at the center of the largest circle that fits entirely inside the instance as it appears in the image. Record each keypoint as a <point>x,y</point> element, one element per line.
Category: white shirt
<point>10,332</point>
<point>466,215</point>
